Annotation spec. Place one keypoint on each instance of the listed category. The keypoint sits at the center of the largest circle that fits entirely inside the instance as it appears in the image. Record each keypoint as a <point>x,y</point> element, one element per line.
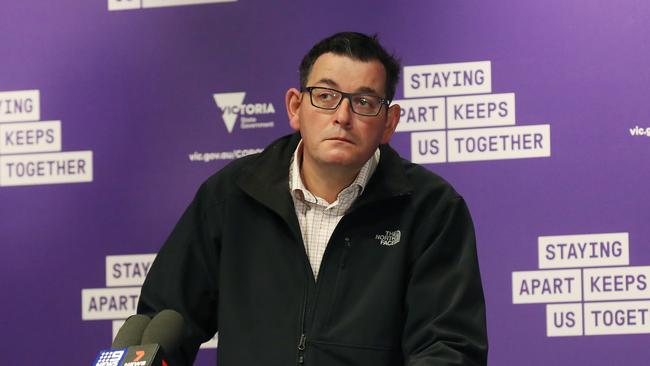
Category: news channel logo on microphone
<point>110,358</point>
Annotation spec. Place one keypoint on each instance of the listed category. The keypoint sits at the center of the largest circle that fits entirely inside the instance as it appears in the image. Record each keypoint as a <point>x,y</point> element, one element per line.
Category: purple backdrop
<point>142,95</point>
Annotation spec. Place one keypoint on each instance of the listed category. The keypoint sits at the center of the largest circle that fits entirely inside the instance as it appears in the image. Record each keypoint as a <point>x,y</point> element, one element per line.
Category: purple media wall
<point>112,113</point>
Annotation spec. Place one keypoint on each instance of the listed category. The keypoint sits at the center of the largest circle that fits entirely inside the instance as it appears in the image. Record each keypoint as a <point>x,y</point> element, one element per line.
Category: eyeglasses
<point>330,99</point>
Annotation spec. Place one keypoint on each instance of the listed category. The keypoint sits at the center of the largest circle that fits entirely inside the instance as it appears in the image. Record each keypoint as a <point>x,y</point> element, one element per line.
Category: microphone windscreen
<point>165,329</point>
<point>131,331</point>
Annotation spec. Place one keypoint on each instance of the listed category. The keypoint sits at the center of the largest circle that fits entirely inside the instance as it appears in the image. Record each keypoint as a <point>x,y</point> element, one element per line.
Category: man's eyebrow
<point>334,84</point>
<point>329,82</point>
<point>367,89</point>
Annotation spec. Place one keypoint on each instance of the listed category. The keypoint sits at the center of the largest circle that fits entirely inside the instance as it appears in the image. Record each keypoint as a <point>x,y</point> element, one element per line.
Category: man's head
<point>356,46</point>
<point>341,109</point>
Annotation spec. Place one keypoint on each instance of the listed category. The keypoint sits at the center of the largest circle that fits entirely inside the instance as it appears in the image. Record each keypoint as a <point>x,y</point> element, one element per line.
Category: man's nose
<point>344,113</point>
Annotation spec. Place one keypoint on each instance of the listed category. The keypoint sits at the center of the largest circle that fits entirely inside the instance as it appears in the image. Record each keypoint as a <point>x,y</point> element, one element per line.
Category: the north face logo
<point>389,238</point>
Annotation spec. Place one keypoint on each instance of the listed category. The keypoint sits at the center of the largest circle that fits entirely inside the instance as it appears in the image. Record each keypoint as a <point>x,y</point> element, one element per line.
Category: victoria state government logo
<point>250,115</point>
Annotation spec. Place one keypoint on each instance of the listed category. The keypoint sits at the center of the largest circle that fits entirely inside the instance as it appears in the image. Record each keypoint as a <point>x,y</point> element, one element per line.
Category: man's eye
<point>325,96</point>
<point>366,102</point>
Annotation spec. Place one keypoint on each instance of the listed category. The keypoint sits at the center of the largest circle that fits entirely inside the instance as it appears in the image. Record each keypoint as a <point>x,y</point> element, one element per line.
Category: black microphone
<point>131,331</point>
<point>130,334</point>
<point>163,335</point>
<point>165,329</point>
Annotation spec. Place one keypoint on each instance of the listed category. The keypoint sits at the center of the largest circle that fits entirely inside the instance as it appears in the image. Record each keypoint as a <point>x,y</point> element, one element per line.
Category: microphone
<point>146,347</point>
<point>131,331</point>
<point>163,335</point>
<point>129,334</point>
<point>165,329</point>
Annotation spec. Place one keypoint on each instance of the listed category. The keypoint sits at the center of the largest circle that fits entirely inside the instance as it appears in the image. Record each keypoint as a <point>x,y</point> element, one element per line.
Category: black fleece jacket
<point>399,283</point>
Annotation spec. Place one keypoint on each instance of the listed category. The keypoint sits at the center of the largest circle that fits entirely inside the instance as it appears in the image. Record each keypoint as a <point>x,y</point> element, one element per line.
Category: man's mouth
<point>342,139</point>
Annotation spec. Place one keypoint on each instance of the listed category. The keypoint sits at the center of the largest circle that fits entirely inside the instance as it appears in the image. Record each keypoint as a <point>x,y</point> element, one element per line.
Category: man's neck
<point>327,181</point>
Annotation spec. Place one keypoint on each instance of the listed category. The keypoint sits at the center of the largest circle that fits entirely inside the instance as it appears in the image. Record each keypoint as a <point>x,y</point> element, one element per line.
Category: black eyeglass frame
<point>382,101</point>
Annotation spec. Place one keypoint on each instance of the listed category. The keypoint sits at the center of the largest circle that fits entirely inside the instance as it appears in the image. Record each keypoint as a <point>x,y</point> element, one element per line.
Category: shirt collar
<point>296,185</point>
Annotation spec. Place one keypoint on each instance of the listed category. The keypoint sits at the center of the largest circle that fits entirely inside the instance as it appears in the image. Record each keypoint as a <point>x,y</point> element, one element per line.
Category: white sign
<point>587,250</point>
<point>447,79</point>
<point>20,105</point>
<point>109,303</point>
<point>517,142</point>
<point>421,114</point>
<point>546,286</point>
<point>30,137</point>
<point>485,110</point>
<point>127,270</point>
<point>429,147</point>
<point>46,168</point>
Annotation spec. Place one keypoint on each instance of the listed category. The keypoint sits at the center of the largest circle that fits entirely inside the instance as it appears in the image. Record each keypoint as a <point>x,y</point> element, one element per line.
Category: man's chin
<point>343,160</point>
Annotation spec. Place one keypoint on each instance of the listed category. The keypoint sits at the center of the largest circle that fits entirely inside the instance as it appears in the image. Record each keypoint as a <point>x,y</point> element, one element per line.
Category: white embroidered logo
<point>389,238</point>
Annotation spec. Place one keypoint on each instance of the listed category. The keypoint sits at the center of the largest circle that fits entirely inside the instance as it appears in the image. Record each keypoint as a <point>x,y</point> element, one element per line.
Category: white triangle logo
<point>229,104</point>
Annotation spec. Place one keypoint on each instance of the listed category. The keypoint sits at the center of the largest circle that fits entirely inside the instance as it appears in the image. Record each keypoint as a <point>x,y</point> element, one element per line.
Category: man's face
<point>341,137</point>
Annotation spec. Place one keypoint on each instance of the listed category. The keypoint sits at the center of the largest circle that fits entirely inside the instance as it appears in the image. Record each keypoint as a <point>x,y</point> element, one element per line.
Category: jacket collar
<point>267,178</point>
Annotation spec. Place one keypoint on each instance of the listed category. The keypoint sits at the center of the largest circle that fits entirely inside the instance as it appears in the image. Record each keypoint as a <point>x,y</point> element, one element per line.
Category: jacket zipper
<point>301,349</point>
<point>339,276</point>
<point>346,249</point>
<point>303,315</point>
<point>302,343</point>
<point>303,337</point>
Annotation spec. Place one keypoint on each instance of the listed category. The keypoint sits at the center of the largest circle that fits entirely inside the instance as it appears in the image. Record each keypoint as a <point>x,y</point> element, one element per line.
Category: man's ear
<point>293,99</point>
<point>392,119</point>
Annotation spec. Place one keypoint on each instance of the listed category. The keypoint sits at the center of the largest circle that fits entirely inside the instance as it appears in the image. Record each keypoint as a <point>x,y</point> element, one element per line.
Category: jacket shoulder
<point>223,182</point>
<point>270,164</point>
<point>425,181</point>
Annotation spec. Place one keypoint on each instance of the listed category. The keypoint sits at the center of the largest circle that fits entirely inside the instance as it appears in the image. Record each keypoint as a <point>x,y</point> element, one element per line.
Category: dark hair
<point>357,46</point>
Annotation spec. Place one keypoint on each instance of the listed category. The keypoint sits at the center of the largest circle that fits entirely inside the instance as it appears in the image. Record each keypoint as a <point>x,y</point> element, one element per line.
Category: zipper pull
<point>301,349</point>
<point>345,252</point>
<point>301,344</point>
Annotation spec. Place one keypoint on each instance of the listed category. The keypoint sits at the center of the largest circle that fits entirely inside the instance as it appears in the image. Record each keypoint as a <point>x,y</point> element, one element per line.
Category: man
<point>327,248</point>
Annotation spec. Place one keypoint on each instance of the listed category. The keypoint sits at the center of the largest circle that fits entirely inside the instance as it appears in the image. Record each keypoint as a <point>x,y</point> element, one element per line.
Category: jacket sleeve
<point>445,322</point>
<point>183,277</point>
